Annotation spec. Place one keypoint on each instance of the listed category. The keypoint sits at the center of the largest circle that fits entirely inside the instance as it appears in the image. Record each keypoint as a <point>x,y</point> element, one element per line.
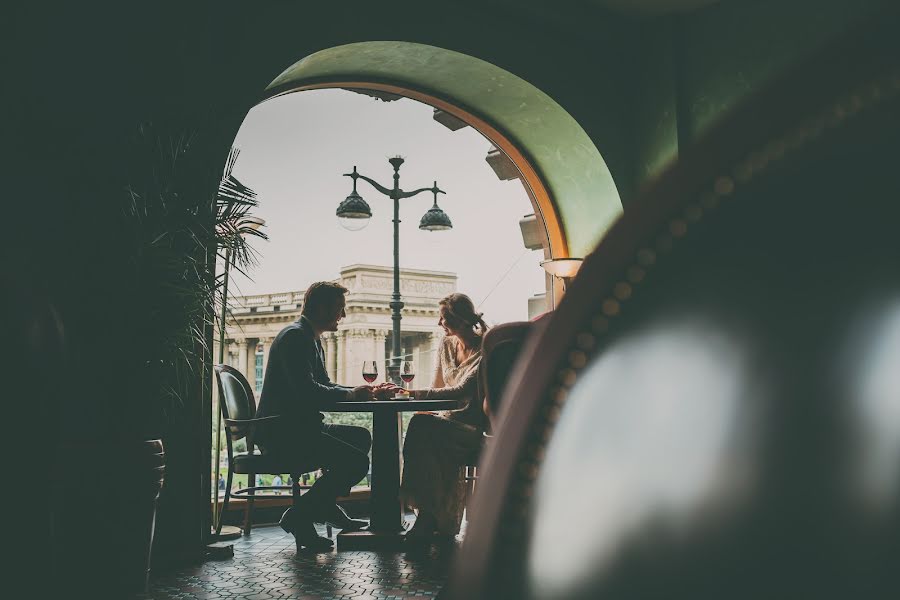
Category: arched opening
<point>572,190</point>
<point>293,151</point>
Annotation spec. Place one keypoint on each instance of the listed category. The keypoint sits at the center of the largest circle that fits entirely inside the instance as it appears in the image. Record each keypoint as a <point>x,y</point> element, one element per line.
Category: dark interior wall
<point>731,49</point>
<point>653,83</point>
<point>577,61</point>
<point>83,76</point>
<point>692,68</point>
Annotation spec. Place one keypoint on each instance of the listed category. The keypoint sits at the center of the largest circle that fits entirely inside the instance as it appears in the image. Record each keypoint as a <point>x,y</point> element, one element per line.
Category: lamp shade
<point>435,220</point>
<point>354,212</point>
<point>562,267</point>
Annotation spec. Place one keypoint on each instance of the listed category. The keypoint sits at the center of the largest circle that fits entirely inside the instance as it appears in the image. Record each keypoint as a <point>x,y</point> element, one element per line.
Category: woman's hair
<point>460,312</point>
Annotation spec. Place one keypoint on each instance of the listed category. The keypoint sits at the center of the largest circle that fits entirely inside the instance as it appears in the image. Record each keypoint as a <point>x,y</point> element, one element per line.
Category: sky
<point>293,152</point>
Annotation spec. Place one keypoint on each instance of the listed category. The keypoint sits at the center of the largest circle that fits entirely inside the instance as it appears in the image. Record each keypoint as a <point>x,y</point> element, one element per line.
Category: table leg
<point>385,530</point>
<point>387,514</point>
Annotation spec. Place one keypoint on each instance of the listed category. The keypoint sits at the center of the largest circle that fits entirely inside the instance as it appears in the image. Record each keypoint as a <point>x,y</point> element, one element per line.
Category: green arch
<point>576,179</point>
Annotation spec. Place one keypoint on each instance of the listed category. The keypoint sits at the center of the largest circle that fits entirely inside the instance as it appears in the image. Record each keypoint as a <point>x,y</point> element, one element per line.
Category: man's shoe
<point>306,538</point>
<point>301,527</point>
<point>337,518</point>
<point>287,520</point>
<point>298,514</point>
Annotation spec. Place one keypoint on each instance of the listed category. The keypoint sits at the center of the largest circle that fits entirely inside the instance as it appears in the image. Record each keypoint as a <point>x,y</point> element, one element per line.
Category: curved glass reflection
<point>647,437</point>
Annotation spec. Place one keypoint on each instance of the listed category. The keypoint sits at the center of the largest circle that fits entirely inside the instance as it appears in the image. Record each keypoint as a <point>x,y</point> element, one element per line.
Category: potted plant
<point>170,229</point>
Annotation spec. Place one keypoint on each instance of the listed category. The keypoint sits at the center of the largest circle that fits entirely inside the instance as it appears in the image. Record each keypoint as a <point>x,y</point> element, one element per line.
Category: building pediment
<point>370,288</point>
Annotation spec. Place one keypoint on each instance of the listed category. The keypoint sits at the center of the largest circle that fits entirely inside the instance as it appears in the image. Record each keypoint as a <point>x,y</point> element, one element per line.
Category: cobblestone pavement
<point>266,566</point>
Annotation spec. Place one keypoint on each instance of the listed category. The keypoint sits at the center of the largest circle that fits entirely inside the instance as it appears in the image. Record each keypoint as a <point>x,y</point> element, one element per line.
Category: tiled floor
<point>266,565</point>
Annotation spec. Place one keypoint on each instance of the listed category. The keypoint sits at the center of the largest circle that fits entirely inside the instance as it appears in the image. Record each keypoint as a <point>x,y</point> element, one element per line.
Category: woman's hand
<point>385,390</point>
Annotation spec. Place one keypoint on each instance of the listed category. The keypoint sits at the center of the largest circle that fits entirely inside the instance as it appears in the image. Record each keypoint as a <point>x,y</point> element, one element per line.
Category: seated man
<point>296,387</point>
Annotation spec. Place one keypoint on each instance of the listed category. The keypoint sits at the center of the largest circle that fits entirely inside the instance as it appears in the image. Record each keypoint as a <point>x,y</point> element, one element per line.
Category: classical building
<point>365,334</point>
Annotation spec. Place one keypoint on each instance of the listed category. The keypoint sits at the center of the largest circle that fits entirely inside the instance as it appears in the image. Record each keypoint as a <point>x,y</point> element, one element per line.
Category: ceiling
<point>652,7</point>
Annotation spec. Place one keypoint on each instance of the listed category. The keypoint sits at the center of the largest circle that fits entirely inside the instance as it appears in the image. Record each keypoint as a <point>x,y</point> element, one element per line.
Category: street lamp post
<point>354,213</point>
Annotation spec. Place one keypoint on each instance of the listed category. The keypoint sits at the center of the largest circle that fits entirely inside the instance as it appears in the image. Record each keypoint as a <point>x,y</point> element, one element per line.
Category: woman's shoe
<point>444,539</point>
<point>414,542</point>
<point>419,536</point>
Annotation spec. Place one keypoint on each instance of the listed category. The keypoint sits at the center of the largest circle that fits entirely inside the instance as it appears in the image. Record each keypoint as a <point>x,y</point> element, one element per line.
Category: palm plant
<point>233,220</point>
<point>140,376</point>
<point>234,224</point>
<point>175,231</point>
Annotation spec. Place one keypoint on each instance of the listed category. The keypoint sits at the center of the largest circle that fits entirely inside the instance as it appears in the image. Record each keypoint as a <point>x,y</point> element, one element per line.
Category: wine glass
<point>370,371</point>
<point>408,372</point>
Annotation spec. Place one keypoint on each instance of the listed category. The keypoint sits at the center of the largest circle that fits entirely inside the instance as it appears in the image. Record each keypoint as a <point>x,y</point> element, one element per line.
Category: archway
<point>570,186</point>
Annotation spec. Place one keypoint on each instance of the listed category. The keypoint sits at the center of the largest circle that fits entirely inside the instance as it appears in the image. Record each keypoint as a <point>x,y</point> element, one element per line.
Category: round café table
<point>385,530</point>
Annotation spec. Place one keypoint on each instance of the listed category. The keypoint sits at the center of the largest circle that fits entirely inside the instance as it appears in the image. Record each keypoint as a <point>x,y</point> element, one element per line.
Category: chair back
<point>236,400</point>
<point>715,402</point>
<point>501,347</point>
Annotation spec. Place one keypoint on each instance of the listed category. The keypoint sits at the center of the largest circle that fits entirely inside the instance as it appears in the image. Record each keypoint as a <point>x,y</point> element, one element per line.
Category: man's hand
<point>385,390</point>
<point>362,393</point>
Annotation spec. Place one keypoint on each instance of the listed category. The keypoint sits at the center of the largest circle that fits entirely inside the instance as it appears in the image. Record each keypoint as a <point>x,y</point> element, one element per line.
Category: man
<point>296,387</point>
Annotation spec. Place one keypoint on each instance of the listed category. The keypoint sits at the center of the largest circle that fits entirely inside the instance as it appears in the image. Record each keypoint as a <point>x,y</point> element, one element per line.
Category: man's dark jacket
<point>296,387</point>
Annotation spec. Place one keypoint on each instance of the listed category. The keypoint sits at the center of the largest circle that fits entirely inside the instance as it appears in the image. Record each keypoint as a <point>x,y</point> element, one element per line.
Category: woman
<point>438,444</point>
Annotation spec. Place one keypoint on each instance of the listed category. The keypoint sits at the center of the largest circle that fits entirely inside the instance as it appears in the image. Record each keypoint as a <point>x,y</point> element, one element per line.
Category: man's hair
<point>319,296</point>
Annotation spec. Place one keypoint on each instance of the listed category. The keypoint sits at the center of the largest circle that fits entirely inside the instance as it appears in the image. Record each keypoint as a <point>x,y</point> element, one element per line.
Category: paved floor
<point>266,565</point>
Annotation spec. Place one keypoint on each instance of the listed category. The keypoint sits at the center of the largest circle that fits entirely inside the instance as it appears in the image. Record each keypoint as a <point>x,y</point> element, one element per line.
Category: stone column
<point>233,352</point>
<point>267,343</point>
<point>379,354</point>
<point>357,348</point>
<point>422,360</point>
<point>339,360</point>
<point>242,356</point>
<point>331,356</point>
<point>250,364</point>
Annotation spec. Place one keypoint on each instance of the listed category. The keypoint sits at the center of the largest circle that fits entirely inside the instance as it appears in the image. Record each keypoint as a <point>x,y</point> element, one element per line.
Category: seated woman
<point>438,444</point>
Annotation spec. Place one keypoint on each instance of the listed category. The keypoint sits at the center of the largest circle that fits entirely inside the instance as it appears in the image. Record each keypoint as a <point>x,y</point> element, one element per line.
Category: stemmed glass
<point>408,372</point>
<point>370,371</point>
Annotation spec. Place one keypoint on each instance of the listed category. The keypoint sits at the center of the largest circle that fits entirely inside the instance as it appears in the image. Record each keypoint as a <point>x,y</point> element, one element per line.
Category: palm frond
<point>173,227</point>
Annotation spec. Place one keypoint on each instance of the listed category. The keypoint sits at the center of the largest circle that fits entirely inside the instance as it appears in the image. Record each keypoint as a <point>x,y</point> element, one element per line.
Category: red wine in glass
<point>370,371</point>
<point>408,373</point>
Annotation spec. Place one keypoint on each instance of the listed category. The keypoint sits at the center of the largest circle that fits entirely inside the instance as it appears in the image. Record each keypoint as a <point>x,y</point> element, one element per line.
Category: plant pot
<point>103,516</point>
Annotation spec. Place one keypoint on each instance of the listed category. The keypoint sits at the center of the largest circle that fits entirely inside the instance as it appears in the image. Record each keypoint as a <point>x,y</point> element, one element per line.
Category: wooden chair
<point>468,473</point>
<point>500,349</point>
<point>714,405</point>
<point>238,406</point>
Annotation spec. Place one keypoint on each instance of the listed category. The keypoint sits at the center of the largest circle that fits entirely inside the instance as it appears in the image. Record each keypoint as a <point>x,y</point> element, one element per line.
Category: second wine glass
<point>407,372</point>
<point>370,371</point>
